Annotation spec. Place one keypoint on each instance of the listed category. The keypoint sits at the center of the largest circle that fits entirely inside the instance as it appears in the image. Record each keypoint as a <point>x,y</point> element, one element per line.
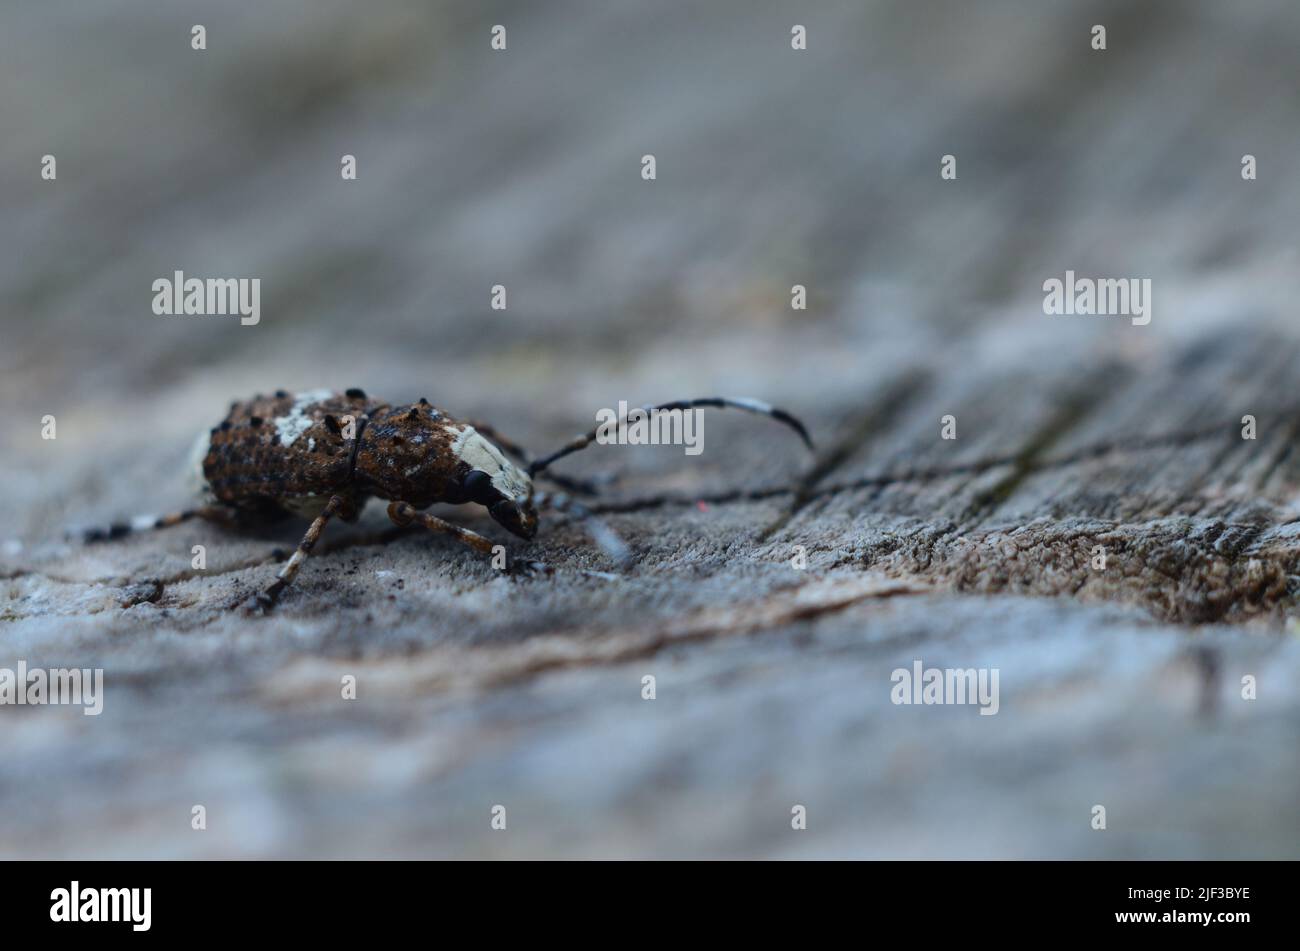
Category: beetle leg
<point>265,600</point>
<point>604,536</point>
<point>403,513</point>
<point>577,486</point>
<point>146,523</point>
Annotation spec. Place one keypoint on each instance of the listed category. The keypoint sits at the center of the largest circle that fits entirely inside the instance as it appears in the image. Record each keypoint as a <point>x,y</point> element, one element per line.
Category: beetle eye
<point>478,487</point>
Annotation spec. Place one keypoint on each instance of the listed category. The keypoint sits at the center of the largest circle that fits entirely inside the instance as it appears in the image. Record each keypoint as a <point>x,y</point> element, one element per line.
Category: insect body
<point>297,452</point>
<point>322,454</point>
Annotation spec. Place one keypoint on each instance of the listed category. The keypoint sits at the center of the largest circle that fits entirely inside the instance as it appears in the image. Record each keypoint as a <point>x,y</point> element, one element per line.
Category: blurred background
<point>522,168</point>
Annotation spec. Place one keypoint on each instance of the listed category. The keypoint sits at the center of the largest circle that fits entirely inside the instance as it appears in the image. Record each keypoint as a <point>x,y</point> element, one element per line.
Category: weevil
<point>320,455</point>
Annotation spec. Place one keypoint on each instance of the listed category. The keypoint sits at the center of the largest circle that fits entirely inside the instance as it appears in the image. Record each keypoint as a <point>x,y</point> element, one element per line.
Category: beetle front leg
<point>265,600</point>
<point>403,513</point>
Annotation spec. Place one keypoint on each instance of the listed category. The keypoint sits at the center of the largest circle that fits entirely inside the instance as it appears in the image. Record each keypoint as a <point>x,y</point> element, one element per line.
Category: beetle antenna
<point>749,405</point>
<point>521,456</point>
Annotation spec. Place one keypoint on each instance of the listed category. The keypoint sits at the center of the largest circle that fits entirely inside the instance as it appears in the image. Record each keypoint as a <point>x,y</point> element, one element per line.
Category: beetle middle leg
<point>601,533</point>
<point>403,513</point>
<point>265,600</point>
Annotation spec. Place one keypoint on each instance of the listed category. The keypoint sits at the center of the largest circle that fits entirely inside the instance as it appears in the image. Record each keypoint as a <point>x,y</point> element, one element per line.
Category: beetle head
<point>517,515</point>
<point>495,482</point>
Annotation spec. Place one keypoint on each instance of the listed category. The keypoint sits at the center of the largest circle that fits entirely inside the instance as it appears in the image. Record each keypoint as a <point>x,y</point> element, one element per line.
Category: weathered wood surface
<point>1118,687</point>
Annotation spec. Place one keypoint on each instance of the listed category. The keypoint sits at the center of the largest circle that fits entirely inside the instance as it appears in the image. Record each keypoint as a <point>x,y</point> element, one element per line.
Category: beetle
<point>321,454</point>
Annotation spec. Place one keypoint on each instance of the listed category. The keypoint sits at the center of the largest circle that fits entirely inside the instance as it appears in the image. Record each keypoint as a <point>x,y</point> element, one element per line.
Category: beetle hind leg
<point>265,600</point>
<point>148,523</point>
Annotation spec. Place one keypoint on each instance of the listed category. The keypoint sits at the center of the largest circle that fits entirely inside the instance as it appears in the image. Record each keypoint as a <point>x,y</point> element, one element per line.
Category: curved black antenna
<point>721,402</point>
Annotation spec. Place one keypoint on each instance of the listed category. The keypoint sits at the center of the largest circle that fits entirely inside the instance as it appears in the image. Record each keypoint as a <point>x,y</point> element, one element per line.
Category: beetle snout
<point>521,519</point>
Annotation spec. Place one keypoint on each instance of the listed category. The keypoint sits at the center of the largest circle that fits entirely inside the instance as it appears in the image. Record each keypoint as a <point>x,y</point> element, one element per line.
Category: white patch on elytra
<point>480,454</point>
<point>195,481</point>
<point>296,422</point>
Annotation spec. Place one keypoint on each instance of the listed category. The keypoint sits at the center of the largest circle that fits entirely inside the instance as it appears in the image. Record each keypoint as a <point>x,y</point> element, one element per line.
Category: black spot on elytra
<point>225,425</point>
<point>423,401</point>
<point>332,424</point>
<point>413,413</point>
<point>356,393</point>
<point>255,421</point>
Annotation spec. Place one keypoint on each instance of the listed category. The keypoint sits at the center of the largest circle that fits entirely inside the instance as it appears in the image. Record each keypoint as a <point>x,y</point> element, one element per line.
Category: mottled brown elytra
<point>322,454</point>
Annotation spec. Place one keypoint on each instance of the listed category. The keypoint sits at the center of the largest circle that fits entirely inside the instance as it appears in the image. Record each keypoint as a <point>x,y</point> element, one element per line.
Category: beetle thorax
<point>476,452</point>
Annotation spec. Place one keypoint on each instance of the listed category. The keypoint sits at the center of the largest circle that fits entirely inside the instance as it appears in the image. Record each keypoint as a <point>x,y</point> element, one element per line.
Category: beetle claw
<point>521,567</point>
<point>257,605</point>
